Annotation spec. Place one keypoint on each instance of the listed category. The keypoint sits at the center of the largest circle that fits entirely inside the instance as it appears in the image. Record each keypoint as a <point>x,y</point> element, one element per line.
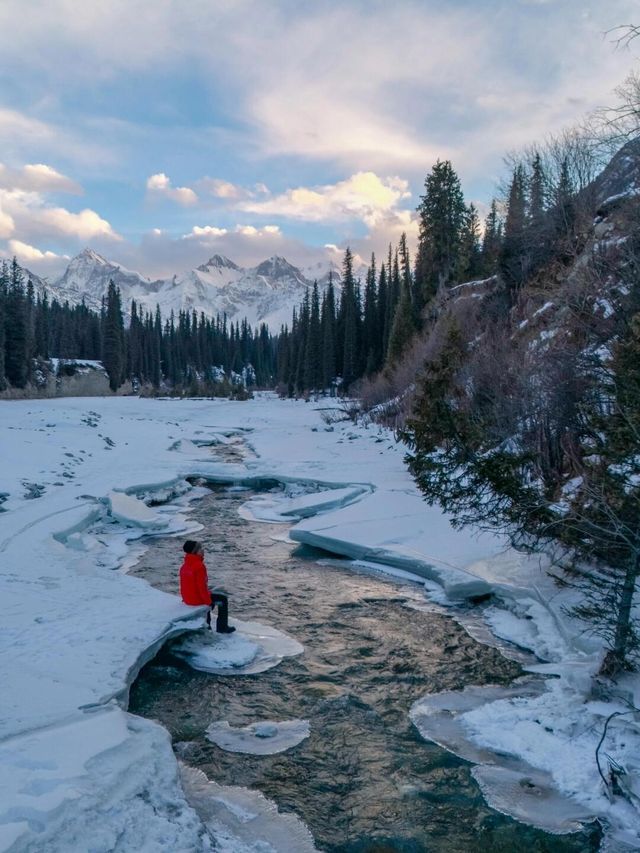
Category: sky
<point>161,132</point>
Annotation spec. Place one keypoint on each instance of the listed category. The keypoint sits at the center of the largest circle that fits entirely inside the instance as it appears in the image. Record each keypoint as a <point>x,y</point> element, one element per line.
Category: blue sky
<point>162,132</point>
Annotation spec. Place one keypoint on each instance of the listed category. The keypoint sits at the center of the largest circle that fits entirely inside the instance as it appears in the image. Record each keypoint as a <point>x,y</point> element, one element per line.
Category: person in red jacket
<point>194,587</point>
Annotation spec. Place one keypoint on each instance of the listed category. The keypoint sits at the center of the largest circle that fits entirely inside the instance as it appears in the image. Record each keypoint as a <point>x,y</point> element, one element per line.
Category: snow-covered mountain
<point>265,293</point>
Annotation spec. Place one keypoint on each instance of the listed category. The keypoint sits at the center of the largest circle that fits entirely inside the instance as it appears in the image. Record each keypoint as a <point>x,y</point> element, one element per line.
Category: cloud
<point>363,196</point>
<point>208,233</point>
<point>159,185</point>
<point>23,137</point>
<point>31,255</point>
<point>33,217</point>
<point>37,177</point>
<point>7,224</point>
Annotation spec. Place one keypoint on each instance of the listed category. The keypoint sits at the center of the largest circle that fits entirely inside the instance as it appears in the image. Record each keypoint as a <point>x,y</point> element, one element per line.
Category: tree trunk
<point>616,658</point>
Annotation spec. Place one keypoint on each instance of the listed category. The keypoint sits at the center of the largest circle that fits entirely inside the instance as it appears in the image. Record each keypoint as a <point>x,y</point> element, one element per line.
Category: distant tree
<point>470,247</point>
<point>114,355</point>
<point>491,241</point>
<point>17,337</point>
<point>514,261</point>
<point>328,322</point>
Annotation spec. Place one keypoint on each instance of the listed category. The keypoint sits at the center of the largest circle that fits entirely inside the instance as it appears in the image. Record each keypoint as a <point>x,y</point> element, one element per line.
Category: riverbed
<point>364,779</point>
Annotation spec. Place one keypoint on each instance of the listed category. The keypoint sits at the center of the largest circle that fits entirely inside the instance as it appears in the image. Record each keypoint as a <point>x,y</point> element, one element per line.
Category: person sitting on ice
<point>194,587</point>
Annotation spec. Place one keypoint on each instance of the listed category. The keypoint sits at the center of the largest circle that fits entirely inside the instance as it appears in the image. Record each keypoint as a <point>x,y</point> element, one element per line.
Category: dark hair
<point>190,546</point>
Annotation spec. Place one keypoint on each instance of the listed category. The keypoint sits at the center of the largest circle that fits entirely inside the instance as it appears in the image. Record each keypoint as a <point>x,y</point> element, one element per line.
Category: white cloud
<point>33,217</point>
<point>37,177</point>
<point>209,233</point>
<point>31,255</point>
<point>205,232</point>
<point>85,225</point>
<point>7,224</point>
<point>159,185</point>
<point>363,196</point>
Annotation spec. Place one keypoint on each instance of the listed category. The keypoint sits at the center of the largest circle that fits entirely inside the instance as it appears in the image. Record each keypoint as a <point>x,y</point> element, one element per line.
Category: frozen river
<point>364,779</point>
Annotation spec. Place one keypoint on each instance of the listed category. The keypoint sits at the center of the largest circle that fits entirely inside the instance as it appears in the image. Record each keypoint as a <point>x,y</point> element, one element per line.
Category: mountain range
<point>266,293</point>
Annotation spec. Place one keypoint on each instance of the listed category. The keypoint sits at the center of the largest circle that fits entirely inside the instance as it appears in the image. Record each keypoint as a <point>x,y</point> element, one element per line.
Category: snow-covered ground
<point>78,772</point>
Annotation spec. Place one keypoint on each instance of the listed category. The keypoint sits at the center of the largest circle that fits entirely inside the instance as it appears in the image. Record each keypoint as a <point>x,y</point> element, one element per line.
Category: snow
<point>264,738</point>
<point>244,821</point>
<point>78,475</point>
<point>251,649</point>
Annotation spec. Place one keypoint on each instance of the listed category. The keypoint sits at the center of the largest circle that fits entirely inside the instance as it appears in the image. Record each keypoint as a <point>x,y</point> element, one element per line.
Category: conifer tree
<point>370,332</point>
<point>16,330</point>
<point>442,214</point>
<point>329,335</point>
<point>349,322</point>
<point>514,263</point>
<point>403,328</point>
<point>470,248</point>
<point>491,241</point>
<point>313,346</point>
<point>113,356</point>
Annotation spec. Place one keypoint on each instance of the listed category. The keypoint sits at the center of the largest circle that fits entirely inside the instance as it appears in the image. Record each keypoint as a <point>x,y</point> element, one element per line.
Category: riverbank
<point>74,629</point>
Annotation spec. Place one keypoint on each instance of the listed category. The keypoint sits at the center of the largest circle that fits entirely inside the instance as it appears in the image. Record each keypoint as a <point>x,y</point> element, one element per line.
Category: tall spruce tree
<point>114,355</point>
<point>514,260</point>
<point>349,321</point>
<point>442,218</point>
<point>491,241</point>
<point>329,335</point>
<point>17,342</point>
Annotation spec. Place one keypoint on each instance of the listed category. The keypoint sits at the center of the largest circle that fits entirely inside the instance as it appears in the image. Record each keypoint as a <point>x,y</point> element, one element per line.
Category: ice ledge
<point>457,584</point>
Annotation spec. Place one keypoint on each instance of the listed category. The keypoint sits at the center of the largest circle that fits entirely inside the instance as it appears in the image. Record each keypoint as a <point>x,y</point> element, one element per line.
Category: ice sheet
<point>253,648</point>
<point>266,737</point>
<point>244,821</point>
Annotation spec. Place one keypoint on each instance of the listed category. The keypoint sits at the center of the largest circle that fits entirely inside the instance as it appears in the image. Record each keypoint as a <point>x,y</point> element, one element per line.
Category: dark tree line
<point>368,328</point>
<point>190,352</point>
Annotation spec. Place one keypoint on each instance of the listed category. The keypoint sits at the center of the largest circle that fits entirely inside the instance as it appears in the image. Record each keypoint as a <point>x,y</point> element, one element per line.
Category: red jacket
<point>193,580</point>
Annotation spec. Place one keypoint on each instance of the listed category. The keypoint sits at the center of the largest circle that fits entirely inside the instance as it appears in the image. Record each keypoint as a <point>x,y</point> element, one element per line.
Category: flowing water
<point>364,780</point>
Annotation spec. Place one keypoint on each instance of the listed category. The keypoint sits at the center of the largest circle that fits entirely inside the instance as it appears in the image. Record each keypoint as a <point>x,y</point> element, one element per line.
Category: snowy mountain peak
<point>91,256</point>
<point>278,267</point>
<point>218,262</point>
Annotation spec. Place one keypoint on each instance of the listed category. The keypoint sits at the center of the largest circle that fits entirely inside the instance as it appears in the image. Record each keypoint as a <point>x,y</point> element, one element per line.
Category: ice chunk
<point>265,738</point>
<point>244,821</point>
<point>253,648</point>
<point>438,716</point>
<point>213,652</point>
<point>530,797</point>
<point>131,510</point>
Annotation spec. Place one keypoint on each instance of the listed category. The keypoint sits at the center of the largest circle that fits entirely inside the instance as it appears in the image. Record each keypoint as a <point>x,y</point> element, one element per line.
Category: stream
<point>364,781</point>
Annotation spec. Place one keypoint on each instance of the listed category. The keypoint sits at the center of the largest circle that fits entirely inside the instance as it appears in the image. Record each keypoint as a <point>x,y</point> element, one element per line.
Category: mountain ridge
<point>265,293</point>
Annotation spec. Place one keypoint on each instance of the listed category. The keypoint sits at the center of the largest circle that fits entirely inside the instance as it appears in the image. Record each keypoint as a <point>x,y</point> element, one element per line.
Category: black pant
<point>222,601</point>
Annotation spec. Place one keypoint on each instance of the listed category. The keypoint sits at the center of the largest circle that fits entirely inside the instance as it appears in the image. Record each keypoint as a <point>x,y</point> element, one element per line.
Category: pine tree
<point>382,327</point>
<point>349,323</point>
<point>329,335</point>
<point>514,262</point>
<point>491,241</point>
<point>370,333</point>
<point>442,214</point>
<point>113,355</point>
<point>16,329</point>
<point>313,351</point>
<point>470,248</point>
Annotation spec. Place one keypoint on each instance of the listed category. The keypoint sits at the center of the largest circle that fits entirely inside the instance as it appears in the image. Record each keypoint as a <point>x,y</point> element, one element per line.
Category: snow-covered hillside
<point>266,293</point>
